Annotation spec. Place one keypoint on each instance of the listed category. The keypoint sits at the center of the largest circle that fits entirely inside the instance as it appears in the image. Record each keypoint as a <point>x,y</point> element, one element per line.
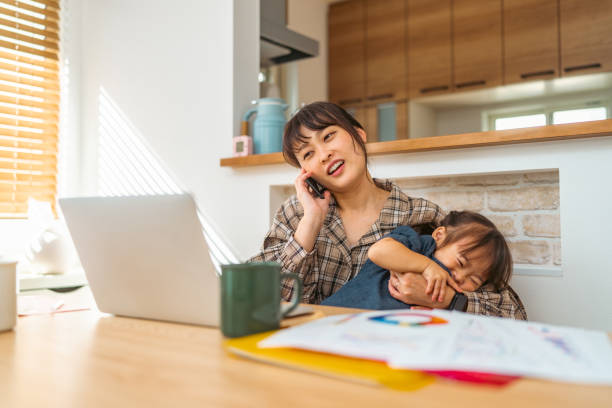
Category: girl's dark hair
<point>461,224</point>
<point>318,116</point>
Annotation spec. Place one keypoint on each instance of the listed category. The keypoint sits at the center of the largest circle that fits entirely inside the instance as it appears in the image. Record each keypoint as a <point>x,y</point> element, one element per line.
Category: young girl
<point>325,241</point>
<point>465,252</point>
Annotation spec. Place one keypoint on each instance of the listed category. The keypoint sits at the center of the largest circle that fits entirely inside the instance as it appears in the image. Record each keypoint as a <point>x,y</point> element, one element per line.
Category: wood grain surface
<point>89,359</point>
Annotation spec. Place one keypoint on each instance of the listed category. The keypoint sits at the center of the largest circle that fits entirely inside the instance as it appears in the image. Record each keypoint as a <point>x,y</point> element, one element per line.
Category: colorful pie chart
<point>407,319</point>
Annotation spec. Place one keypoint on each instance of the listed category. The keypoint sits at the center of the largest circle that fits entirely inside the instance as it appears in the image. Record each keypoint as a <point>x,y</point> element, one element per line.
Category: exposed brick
<point>488,180</point>
<point>530,252</point>
<point>422,182</point>
<point>457,200</point>
<point>527,198</point>
<point>542,225</point>
<point>504,223</point>
<point>542,177</point>
<point>557,253</point>
<point>288,191</point>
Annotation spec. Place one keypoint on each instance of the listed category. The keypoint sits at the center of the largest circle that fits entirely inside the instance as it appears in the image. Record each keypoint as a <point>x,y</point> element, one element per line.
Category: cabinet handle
<point>581,67</point>
<point>434,88</point>
<point>381,96</point>
<point>537,73</point>
<point>473,83</point>
<point>349,101</point>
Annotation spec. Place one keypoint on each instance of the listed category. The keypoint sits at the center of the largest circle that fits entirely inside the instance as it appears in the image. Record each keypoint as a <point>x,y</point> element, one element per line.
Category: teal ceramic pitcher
<point>268,126</point>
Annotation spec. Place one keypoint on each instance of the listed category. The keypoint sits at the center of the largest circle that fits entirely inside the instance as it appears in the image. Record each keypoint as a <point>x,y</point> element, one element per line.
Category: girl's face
<point>332,157</point>
<point>468,270</point>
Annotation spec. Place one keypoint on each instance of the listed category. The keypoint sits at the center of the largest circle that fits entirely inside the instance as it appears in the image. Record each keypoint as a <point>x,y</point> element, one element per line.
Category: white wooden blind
<point>29,103</point>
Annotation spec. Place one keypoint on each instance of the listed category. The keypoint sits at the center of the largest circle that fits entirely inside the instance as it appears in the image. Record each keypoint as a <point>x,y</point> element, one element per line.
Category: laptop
<point>145,257</point>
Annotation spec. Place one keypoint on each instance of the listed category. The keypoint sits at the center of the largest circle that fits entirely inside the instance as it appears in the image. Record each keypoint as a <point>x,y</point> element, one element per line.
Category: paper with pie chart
<point>442,340</point>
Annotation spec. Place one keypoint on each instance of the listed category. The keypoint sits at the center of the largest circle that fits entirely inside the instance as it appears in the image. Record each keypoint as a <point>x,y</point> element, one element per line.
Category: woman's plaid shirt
<point>332,262</point>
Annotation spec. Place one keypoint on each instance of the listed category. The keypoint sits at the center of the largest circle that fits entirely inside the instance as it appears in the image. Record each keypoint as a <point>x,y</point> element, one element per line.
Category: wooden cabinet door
<point>477,43</point>
<point>531,40</point>
<point>347,52</point>
<point>586,36</point>
<point>385,49</point>
<point>429,47</point>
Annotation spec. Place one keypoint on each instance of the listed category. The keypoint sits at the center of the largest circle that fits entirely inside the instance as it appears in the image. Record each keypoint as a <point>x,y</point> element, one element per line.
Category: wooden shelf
<point>491,138</point>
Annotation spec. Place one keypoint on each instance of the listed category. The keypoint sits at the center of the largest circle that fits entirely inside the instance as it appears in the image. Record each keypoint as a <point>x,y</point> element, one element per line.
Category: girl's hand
<point>315,208</point>
<point>437,279</point>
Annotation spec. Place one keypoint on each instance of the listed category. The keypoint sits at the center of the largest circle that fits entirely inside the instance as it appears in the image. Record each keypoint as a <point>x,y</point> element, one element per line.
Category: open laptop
<point>145,257</point>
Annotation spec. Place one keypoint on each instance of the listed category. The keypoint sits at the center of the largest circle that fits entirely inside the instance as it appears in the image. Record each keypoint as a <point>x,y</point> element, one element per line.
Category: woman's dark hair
<point>318,116</point>
<point>462,224</point>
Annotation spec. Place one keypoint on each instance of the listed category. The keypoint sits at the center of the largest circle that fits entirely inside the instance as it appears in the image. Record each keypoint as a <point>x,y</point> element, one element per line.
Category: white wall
<point>181,74</point>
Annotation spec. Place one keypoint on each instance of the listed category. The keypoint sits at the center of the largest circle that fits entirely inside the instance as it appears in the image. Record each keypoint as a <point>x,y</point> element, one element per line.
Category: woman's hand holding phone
<point>315,211</point>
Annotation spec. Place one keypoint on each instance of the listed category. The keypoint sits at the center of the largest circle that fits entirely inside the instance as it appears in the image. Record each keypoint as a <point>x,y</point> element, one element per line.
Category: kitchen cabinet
<point>586,36</point>
<point>477,43</point>
<point>347,52</point>
<point>531,40</point>
<point>383,122</point>
<point>385,49</point>
<point>429,47</point>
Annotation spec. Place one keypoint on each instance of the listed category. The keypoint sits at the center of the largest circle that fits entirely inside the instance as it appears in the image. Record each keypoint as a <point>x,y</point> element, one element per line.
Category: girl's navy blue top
<point>369,289</point>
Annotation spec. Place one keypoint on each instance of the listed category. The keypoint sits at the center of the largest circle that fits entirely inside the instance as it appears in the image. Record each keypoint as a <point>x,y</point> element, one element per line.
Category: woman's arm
<point>292,237</point>
<point>280,246</point>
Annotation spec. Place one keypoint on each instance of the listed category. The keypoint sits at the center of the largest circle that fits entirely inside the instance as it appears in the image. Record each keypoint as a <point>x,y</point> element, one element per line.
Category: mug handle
<point>297,293</point>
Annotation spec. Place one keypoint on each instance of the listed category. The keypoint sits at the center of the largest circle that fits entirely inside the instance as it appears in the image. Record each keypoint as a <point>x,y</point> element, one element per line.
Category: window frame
<point>548,110</point>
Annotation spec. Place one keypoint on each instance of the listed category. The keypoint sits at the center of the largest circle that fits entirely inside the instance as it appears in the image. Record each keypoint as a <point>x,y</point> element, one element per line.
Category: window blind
<point>29,103</point>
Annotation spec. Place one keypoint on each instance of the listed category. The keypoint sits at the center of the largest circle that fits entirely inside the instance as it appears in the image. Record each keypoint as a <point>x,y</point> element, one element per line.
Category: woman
<point>325,240</point>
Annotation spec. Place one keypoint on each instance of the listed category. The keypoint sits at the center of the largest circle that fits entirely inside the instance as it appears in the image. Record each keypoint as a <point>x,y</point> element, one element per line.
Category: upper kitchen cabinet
<point>385,30</point>
<point>586,36</point>
<point>429,47</point>
<point>531,40</point>
<point>347,52</point>
<point>477,43</point>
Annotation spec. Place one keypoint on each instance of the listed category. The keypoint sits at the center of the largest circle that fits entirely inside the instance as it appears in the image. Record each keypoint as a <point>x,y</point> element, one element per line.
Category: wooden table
<point>88,359</point>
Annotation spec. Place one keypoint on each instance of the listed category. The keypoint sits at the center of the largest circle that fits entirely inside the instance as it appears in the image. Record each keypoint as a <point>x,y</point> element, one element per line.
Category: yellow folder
<point>354,369</point>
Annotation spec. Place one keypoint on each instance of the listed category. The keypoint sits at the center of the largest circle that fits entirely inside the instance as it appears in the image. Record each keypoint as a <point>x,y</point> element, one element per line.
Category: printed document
<point>443,340</point>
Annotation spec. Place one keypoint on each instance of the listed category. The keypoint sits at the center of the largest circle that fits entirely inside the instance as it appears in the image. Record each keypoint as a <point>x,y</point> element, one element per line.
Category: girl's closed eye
<point>306,155</point>
<point>329,136</point>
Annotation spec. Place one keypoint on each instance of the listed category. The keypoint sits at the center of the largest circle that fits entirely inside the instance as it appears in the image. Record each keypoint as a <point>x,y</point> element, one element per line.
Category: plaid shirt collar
<point>384,223</point>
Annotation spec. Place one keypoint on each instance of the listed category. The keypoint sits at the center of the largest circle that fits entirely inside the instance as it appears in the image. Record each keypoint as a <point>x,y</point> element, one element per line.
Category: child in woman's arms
<point>465,252</point>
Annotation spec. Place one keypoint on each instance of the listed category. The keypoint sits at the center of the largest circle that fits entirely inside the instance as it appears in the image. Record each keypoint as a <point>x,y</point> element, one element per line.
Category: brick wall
<point>525,207</point>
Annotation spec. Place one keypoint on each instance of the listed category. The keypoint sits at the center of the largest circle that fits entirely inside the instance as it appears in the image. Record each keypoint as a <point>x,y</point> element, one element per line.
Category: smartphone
<point>317,188</point>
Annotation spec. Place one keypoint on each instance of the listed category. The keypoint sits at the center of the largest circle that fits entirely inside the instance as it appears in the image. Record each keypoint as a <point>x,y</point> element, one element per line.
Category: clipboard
<point>361,371</point>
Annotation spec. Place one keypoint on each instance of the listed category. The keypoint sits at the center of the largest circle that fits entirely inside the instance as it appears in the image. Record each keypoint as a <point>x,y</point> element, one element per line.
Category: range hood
<point>278,44</point>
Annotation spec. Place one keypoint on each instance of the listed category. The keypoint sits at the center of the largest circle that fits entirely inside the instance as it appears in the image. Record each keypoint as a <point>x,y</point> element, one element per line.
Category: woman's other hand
<point>437,279</point>
<point>410,288</point>
<point>315,211</point>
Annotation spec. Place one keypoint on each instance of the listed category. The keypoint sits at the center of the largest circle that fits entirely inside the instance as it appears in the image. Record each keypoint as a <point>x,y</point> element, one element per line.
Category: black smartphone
<point>317,188</point>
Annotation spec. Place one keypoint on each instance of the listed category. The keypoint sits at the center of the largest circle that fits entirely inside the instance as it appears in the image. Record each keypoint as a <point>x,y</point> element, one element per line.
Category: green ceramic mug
<point>251,300</point>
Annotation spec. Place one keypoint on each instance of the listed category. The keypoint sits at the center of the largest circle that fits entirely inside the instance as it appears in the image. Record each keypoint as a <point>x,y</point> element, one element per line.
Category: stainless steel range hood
<point>278,44</point>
